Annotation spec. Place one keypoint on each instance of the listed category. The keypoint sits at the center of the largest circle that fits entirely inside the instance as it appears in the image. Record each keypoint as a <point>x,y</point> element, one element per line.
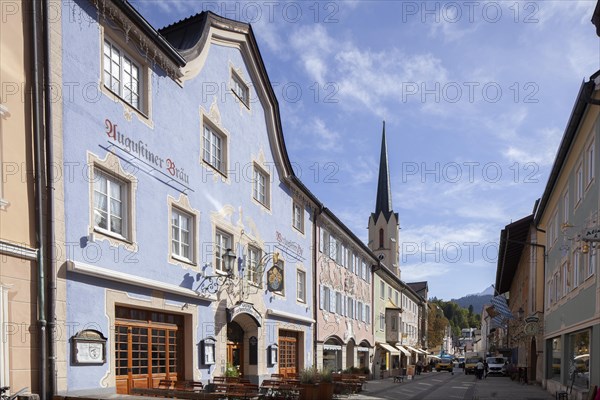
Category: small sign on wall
<point>88,348</point>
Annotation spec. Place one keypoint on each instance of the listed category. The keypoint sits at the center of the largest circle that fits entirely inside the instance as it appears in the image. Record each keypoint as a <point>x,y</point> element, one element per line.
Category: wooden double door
<point>148,348</point>
<point>288,352</point>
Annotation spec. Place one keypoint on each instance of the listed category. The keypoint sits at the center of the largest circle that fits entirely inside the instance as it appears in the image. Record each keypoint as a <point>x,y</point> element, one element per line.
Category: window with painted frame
<point>590,163</point>
<point>326,300</point>
<point>123,75</point>
<point>261,188</point>
<point>368,314</point>
<point>382,289</point>
<point>579,184</point>
<point>240,88</point>
<point>566,207</point>
<point>565,279</point>
<point>111,204</point>
<point>350,308</point>
<point>253,267</point>
<point>394,323</point>
<point>359,309</point>
<point>591,261</point>
<point>214,148</point>
<point>338,303</point>
<point>301,286</point>
<point>381,321</point>
<point>223,242</point>
<point>182,235</point>
<point>298,216</point>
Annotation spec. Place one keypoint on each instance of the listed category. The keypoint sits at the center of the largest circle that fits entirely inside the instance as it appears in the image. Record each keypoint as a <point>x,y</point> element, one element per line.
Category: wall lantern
<point>213,283</point>
<point>272,354</point>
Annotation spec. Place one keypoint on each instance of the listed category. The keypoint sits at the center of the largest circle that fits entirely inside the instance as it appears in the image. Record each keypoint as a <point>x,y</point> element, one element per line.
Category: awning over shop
<point>415,350</point>
<point>403,350</point>
<point>392,350</point>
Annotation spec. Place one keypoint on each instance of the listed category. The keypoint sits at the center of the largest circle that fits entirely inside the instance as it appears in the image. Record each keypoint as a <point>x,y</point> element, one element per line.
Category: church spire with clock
<point>384,230</point>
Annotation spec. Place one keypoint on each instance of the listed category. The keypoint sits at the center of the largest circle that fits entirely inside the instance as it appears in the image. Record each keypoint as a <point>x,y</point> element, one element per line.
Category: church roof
<point>383,203</point>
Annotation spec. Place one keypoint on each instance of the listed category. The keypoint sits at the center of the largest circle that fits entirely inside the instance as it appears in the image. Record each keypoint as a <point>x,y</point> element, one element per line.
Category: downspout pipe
<point>39,196</point>
<point>315,252</point>
<point>52,342</point>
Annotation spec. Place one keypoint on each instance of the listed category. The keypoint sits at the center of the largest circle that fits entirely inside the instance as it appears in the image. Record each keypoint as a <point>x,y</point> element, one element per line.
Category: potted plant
<point>308,383</point>
<point>231,371</point>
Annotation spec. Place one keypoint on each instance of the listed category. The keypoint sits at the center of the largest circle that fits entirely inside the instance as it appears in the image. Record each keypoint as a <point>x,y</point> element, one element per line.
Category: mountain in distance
<point>476,300</point>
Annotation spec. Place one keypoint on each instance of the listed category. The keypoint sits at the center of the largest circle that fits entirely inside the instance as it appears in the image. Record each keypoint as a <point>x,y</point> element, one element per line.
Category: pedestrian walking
<point>486,368</point>
<point>419,367</point>
<point>479,368</point>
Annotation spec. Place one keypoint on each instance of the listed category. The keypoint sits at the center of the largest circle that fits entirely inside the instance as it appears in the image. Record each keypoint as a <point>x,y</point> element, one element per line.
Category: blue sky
<point>475,95</point>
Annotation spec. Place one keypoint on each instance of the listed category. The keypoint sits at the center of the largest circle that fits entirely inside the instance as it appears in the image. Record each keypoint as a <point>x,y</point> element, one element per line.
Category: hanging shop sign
<point>275,279</point>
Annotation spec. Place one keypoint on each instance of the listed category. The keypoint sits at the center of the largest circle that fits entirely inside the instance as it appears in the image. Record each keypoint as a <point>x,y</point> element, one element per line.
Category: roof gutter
<point>149,30</point>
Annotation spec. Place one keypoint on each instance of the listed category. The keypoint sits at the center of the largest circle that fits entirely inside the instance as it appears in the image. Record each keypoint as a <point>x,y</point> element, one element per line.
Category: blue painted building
<point>188,238</point>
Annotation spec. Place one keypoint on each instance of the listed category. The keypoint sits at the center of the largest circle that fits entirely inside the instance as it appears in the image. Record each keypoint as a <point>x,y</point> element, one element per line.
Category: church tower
<point>384,229</point>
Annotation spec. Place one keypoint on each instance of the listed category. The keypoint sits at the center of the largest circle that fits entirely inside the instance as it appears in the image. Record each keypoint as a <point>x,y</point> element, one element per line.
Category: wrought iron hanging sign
<point>275,279</point>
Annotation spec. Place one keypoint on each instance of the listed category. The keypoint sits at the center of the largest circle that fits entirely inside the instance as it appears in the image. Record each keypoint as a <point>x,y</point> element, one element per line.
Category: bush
<point>231,371</point>
<point>308,375</point>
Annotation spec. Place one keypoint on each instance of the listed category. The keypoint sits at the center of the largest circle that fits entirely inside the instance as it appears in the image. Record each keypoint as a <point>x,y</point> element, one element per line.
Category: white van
<point>496,365</point>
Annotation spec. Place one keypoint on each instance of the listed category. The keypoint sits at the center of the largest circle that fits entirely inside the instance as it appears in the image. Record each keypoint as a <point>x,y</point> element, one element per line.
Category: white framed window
<point>382,289</point>
<point>122,75</point>
<point>359,308</point>
<point>325,298</point>
<point>579,184</point>
<point>301,286</point>
<point>396,298</point>
<point>350,308</point>
<point>223,242</point>
<point>338,303</point>
<point>253,268</point>
<point>240,88</point>
<point>213,150</point>
<point>389,292</point>
<point>110,204</point>
<point>590,164</point>
<point>298,216</point>
<point>381,321</point>
<point>260,186</point>
<point>565,279</point>
<point>566,207</point>
<point>591,262</point>
<point>575,269</point>
<point>182,235</point>
<point>368,314</point>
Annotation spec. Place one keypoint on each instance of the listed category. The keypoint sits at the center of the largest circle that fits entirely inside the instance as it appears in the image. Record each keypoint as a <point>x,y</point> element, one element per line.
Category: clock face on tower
<point>381,256</point>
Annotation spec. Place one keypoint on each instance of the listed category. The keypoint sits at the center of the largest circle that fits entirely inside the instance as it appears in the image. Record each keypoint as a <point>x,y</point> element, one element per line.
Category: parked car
<point>496,365</point>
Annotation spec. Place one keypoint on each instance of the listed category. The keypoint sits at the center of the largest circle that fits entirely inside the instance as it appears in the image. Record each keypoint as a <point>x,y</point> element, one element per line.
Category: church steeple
<point>384,223</point>
<point>383,203</point>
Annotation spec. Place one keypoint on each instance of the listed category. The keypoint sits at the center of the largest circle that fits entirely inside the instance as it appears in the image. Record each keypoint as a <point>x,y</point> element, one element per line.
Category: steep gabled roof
<point>581,104</point>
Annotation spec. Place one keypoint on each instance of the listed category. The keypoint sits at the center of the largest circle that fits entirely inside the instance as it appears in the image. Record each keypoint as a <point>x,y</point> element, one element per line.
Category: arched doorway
<point>243,335</point>
<point>332,355</point>
<point>235,346</point>
<point>532,360</point>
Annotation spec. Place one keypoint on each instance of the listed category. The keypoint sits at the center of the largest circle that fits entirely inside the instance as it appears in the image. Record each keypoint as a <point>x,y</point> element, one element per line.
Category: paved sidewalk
<point>373,387</point>
<point>496,387</point>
